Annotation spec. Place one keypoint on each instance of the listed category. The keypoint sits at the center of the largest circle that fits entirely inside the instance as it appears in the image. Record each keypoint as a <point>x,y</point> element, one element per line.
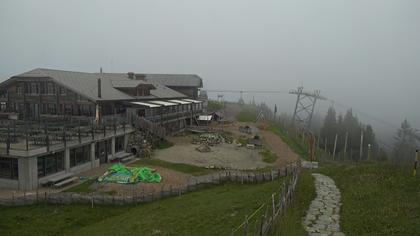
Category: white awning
<point>191,100</point>
<point>205,118</point>
<point>146,104</point>
<point>180,102</point>
<point>164,103</point>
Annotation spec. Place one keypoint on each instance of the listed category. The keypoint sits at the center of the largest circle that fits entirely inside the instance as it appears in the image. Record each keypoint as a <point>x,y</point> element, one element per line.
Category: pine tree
<point>405,143</point>
<point>369,139</point>
<point>352,127</point>
<point>329,129</point>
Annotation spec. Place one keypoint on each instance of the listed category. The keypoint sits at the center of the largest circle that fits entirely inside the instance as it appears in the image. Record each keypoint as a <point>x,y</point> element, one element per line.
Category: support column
<point>94,162</point>
<point>67,159</point>
<point>28,173</point>
<point>113,147</point>
<point>126,140</point>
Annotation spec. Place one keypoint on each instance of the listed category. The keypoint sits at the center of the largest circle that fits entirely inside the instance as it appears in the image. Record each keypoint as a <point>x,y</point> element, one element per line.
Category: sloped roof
<point>161,91</point>
<point>128,83</point>
<point>176,80</point>
<point>86,84</point>
<point>180,80</point>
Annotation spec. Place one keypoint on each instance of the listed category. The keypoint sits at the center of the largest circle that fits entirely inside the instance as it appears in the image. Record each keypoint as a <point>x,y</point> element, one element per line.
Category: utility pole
<point>325,145</point>
<point>361,145</point>
<point>416,159</point>
<point>335,145</point>
<point>369,150</point>
<point>304,107</point>
<point>345,144</point>
<point>317,142</point>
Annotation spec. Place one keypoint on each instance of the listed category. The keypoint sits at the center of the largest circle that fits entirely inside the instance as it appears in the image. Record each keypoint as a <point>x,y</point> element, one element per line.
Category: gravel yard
<point>221,156</point>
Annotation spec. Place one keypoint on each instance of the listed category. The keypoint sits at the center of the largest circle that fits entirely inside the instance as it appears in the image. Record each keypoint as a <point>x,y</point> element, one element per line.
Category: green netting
<point>119,173</point>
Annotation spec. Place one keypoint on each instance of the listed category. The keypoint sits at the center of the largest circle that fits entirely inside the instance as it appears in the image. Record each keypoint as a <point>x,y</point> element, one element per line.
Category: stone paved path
<point>323,216</point>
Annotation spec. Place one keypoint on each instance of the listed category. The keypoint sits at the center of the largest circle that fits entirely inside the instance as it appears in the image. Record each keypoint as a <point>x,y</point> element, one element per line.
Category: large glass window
<point>79,155</point>
<point>9,168</point>
<point>119,144</point>
<point>50,164</point>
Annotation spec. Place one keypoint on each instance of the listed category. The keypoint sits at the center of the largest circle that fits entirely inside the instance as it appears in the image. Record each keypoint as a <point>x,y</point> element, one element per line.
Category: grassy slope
<point>291,222</point>
<point>82,187</point>
<point>246,116</point>
<point>378,199</point>
<point>212,211</point>
<point>292,142</point>
<point>268,156</point>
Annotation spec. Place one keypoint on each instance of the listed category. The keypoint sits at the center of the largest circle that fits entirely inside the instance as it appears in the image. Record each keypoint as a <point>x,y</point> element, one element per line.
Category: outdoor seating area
<point>48,131</point>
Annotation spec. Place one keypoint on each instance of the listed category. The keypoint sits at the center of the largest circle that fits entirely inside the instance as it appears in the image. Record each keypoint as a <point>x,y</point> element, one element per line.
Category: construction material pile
<point>121,174</point>
<point>208,139</point>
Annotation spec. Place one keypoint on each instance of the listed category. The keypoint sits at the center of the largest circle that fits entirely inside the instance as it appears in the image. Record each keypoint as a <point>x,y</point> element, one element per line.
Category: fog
<point>363,54</point>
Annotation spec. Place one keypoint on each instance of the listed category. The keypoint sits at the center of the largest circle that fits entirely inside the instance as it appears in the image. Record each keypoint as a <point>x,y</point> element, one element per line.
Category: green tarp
<point>121,174</point>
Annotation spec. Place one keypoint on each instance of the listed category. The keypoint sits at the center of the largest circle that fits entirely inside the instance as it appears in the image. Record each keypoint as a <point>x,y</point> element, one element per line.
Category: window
<point>3,106</point>
<point>62,91</point>
<point>50,164</point>
<point>50,88</point>
<point>119,144</point>
<point>9,168</point>
<point>33,88</point>
<point>19,90</point>
<point>141,112</point>
<point>52,108</point>
<point>42,87</point>
<point>68,108</point>
<point>79,155</point>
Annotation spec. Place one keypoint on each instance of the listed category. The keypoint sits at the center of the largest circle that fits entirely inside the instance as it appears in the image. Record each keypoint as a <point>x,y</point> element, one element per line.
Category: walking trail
<point>323,216</point>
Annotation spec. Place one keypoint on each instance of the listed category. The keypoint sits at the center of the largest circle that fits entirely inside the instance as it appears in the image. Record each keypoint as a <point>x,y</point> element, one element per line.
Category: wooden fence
<point>165,191</point>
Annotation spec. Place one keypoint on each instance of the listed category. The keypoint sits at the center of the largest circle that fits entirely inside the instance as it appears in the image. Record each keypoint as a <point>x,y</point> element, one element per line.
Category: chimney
<point>99,88</point>
<point>130,75</point>
<point>140,77</point>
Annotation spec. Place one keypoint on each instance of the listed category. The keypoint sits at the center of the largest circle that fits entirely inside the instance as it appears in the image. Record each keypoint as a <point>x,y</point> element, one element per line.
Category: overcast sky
<point>364,54</point>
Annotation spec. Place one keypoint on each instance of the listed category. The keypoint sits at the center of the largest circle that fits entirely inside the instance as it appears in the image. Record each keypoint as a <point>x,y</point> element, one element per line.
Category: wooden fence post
<point>273,204</point>
<point>246,225</point>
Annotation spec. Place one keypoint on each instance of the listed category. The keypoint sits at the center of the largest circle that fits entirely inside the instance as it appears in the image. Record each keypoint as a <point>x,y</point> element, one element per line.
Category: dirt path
<point>283,151</point>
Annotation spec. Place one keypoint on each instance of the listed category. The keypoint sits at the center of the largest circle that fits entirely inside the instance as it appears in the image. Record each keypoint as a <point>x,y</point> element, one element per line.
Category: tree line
<point>351,134</point>
<point>348,127</point>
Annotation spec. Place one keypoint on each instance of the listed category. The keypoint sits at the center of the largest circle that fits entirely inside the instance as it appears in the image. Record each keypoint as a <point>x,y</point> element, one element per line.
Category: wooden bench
<point>123,156</point>
<point>127,159</point>
<point>55,180</point>
<point>65,182</point>
<point>61,177</point>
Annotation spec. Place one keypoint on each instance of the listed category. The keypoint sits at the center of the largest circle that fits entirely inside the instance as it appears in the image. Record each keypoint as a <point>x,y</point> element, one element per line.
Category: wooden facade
<point>33,98</point>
